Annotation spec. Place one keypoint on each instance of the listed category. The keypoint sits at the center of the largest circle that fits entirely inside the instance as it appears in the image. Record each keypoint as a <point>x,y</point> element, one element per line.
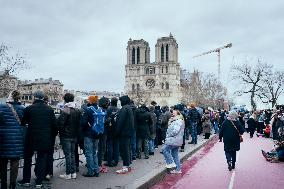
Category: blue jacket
<point>11,133</point>
<point>87,122</point>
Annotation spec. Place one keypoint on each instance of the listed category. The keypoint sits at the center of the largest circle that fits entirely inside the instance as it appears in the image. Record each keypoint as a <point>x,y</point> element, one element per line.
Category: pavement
<point>145,172</point>
<point>208,169</point>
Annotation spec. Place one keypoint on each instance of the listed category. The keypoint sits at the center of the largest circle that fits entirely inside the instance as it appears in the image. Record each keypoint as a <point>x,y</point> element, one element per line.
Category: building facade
<point>52,88</point>
<point>160,81</point>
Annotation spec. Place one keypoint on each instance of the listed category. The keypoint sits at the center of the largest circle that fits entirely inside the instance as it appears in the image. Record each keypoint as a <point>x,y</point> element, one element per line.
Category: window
<point>162,53</point>
<point>133,87</point>
<point>147,71</point>
<point>167,85</point>
<point>167,70</point>
<point>167,52</point>
<point>146,55</point>
<point>138,55</point>
<point>133,56</point>
<point>137,87</point>
<point>163,85</point>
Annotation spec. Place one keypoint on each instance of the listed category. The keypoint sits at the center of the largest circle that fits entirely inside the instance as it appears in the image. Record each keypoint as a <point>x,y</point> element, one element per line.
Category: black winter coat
<point>231,135</point>
<point>144,122</point>
<point>194,115</point>
<point>110,123</point>
<point>41,126</point>
<point>11,133</point>
<point>69,123</point>
<point>251,123</point>
<point>125,122</point>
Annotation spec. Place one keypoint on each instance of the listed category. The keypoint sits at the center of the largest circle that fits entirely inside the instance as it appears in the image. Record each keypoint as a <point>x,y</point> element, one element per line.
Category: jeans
<point>124,149</point>
<point>133,146</point>
<point>102,149</point>
<point>145,145</point>
<point>112,150</point>
<point>231,156</point>
<point>14,164</point>
<point>216,128</point>
<point>91,153</point>
<point>171,155</point>
<point>194,132</point>
<point>151,145</point>
<point>187,132</point>
<point>68,146</point>
<point>40,167</point>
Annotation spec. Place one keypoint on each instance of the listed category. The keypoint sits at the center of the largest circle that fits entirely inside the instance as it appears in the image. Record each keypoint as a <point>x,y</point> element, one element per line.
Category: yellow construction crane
<point>218,50</point>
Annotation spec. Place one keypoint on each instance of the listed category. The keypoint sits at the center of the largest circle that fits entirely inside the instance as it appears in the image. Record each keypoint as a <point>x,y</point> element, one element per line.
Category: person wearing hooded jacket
<point>68,125</point>
<point>174,139</point>
<point>41,130</point>
<point>144,122</point>
<point>11,138</point>
<point>123,131</point>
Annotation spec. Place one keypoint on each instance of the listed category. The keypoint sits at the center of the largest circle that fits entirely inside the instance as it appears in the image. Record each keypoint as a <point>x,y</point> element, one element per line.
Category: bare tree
<point>204,90</point>
<point>273,87</point>
<point>10,63</point>
<point>251,79</point>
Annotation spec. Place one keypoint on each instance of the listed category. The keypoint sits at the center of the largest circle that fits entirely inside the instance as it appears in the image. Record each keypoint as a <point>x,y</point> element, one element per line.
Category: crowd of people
<point>99,128</point>
<point>106,134</point>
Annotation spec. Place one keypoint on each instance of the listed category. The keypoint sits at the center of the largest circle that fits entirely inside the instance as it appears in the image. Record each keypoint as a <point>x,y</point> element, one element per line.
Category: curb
<point>155,176</point>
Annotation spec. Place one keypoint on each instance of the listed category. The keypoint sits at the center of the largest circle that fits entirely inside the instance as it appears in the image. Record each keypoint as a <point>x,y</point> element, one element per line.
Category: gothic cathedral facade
<point>158,81</point>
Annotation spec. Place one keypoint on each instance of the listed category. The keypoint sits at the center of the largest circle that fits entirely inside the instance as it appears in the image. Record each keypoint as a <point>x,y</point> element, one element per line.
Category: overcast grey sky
<point>83,43</point>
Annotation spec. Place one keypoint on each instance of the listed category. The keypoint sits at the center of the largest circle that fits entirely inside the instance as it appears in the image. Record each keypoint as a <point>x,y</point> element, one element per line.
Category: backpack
<point>99,120</point>
<point>113,118</point>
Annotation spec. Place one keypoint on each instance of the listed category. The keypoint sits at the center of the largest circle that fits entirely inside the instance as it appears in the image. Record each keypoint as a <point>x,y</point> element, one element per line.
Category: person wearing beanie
<point>41,131</point>
<point>12,140</point>
<point>91,139</point>
<point>123,131</point>
<point>231,132</point>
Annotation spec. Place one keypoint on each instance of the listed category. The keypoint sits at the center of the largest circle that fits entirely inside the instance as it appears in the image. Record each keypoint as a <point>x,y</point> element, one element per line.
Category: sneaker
<point>73,176</point>
<point>48,177</point>
<point>66,177</point>
<point>103,169</point>
<point>38,186</point>
<point>170,166</point>
<point>175,172</point>
<point>23,183</point>
<point>124,170</point>
<point>151,153</point>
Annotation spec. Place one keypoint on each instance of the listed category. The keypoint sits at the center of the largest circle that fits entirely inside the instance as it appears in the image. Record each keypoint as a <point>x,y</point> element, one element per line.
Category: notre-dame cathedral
<point>160,80</point>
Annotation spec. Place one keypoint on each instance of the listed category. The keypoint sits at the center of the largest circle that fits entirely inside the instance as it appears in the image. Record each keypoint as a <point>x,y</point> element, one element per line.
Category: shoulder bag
<point>241,137</point>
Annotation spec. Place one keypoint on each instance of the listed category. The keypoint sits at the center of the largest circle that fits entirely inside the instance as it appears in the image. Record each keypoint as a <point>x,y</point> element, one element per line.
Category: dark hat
<point>38,95</point>
<point>124,100</point>
<point>178,107</point>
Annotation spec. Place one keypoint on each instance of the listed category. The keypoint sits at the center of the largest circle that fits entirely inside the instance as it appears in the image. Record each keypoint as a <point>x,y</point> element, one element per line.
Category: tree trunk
<point>252,102</point>
<point>273,103</point>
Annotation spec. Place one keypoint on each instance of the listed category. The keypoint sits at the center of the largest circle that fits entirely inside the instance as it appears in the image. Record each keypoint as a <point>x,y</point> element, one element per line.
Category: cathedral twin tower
<point>159,80</point>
